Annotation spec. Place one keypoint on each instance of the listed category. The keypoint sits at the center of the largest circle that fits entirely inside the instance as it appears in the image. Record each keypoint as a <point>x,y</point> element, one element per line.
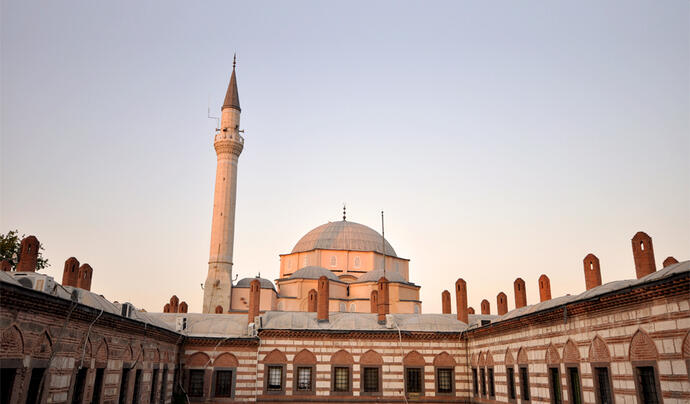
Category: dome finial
<point>344,212</point>
<point>234,60</point>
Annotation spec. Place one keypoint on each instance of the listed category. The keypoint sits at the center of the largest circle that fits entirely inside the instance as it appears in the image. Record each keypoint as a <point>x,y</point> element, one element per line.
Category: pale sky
<point>502,140</point>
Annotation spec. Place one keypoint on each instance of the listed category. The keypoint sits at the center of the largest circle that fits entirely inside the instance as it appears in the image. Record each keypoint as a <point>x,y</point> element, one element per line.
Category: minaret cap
<point>232,98</point>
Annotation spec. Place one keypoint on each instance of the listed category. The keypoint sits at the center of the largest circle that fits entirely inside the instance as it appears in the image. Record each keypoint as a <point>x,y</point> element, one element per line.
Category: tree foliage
<point>10,250</point>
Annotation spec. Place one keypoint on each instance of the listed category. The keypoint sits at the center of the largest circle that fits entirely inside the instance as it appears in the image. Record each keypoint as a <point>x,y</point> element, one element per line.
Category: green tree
<point>10,250</point>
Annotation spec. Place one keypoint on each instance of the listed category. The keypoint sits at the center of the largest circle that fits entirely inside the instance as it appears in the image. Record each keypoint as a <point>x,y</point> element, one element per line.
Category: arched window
<point>304,368</point>
<point>274,372</point>
<point>413,364</point>
<point>370,367</point>
<point>353,308</point>
<point>358,262</point>
<point>341,374</point>
<point>643,357</point>
<point>600,359</point>
<point>553,363</point>
<point>334,261</point>
<point>444,369</point>
<point>571,358</point>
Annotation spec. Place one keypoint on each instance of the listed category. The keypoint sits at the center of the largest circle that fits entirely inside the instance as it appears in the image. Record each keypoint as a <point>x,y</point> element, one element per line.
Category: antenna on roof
<point>213,117</point>
<point>383,245</point>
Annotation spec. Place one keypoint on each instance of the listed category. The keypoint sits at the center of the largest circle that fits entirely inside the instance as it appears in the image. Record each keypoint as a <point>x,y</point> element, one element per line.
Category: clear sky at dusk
<point>501,139</point>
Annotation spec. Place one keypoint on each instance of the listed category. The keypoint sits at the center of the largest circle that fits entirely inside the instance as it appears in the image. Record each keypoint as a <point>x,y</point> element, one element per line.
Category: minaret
<point>228,144</point>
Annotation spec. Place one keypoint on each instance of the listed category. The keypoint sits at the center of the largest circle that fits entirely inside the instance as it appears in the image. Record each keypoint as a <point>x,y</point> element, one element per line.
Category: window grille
<point>603,386</point>
<point>275,378</point>
<point>196,383</point>
<point>647,382</point>
<point>445,380</point>
<point>304,379</point>
<point>511,384</point>
<point>524,383</point>
<point>556,396</point>
<point>341,379</point>
<point>413,380</point>
<point>575,390</point>
<point>371,380</point>
<point>223,383</point>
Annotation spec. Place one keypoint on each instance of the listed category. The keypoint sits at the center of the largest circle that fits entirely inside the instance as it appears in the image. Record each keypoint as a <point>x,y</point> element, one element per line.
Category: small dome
<point>313,273</point>
<point>265,283</point>
<point>375,275</point>
<point>343,235</point>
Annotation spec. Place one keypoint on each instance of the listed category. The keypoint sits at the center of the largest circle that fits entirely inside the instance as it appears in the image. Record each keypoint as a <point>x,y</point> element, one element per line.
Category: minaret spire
<point>232,98</point>
<point>228,144</point>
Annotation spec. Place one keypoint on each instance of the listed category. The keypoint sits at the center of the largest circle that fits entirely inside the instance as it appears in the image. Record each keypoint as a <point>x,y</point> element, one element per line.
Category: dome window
<point>343,307</point>
<point>358,262</point>
<point>306,261</point>
<point>353,308</point>
<point>334,261</point>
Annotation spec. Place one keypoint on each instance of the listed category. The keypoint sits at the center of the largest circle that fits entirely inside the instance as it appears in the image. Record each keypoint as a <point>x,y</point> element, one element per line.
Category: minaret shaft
<point>228,144</point>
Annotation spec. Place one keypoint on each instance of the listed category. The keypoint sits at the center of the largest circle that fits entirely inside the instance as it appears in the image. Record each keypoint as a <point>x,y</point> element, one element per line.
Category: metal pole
<point>383,245</point>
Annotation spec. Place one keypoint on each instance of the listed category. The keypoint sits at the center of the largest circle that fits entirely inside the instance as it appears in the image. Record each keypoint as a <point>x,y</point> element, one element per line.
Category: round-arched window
<point>358,262</point>
<point>334,260</point>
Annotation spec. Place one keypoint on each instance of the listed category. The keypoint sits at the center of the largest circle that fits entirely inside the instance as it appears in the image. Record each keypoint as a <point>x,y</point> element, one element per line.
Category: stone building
<point>342,323</point>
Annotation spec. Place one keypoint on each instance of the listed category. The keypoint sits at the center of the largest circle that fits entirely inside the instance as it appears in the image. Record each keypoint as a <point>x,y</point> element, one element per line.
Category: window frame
<point>552,393</point>
<point>437,380</point>
<point>267,367</point>
<point>638,388</point>
<point>569,381</point>
<point>214,381</point>
<point>475,382</point>
<point>420,393</point>
<point>189,383</point>
<point>379,388</point>
<point>482,378</point>
<point>524,383</point>
<point>491,376</point>
<point>347,392</point>
<point>295,388</point>
<point>510,384</point>
<point>595,382</point>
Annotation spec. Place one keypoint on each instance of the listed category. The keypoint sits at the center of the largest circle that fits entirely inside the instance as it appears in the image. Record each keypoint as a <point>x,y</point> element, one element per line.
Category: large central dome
<point>343,235</point>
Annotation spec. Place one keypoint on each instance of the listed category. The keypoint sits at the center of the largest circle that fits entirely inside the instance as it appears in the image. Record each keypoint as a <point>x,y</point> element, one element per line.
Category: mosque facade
<point>342,323</point>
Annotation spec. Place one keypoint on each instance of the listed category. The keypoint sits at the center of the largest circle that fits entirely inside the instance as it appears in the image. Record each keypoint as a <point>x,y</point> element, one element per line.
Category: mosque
<point>342,323</point>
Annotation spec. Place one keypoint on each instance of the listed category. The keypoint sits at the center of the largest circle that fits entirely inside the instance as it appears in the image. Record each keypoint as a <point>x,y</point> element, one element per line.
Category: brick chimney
<point>520,293</point>
<point>544,288</point>
<point>643,253</point>
<point>182,308</point>
<point>71,272</point>
<point>174,303</point>
<point>219,309</point>
<point>312,301</point>
<point>502,303</point>
<point>374,301</point>
<point>592,271</point>
<point>5,266</point>
<point>84,274</point>
<point>254,300</point>
<point>461,300</point>
<point>28,254</point>
<point>383,303</point>
<point>670,261</point>
<point>166,308</point>
<point>445,302</point>
<point>486,307</point>
<point>470,310</point>
<point>323,295</point>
